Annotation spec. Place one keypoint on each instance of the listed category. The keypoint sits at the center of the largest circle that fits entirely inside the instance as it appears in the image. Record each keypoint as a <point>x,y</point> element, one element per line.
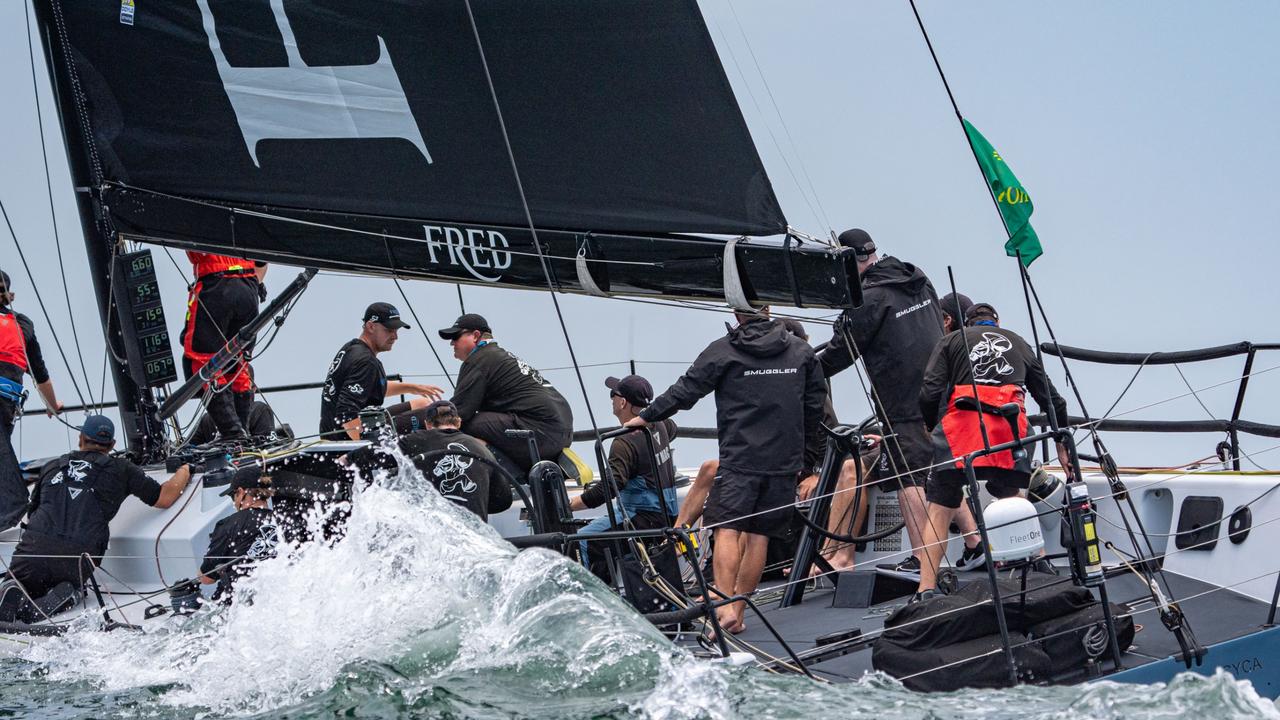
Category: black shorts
<point>905,457</point>
<point>760,504</point>
<point>946,485</point>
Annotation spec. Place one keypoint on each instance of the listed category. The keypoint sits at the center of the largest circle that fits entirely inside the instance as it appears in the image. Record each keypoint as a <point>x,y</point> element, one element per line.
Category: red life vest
<point>963,432</point>
<point>208,264</point>
<point>13,346</point>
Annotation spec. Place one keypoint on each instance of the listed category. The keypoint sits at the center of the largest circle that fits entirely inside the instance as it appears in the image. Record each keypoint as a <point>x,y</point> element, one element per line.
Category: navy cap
<point>435,409</point>
<point>632,388</point>
<point>386,315</point>
<point>248,477</point>
<point>858,239</point>
<point>465,323</point>
<point>980,310</point>
<point>99,429</point>
<point>948,306</point>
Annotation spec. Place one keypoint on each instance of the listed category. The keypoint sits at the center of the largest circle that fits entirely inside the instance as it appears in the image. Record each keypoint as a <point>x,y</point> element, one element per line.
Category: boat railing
<point>1232,426</point>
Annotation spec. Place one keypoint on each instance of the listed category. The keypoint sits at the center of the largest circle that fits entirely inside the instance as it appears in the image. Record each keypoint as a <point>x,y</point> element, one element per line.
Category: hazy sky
<point>1146,134</point>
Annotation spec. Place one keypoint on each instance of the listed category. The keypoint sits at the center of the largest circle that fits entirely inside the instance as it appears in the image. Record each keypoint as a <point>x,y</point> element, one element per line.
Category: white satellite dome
<point>1013,530</point>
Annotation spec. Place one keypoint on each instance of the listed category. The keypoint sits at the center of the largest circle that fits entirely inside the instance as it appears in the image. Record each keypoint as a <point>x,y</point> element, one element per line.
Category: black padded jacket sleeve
<point>698,381</point>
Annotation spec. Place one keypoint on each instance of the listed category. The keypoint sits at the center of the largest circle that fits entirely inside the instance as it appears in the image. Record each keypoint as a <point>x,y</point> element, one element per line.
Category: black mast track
<point>669,266</point>
<point>144,433</point>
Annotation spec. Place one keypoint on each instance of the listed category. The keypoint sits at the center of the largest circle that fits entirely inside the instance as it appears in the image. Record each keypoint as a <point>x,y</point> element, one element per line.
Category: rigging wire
<point>40,300</point>
<point>53,218</point>
<point>524,201</point>
<point>781,153</point>
<point>781,120</point>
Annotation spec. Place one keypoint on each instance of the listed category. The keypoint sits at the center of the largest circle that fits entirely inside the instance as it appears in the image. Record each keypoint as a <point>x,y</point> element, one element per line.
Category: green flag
<point>1011,198</point>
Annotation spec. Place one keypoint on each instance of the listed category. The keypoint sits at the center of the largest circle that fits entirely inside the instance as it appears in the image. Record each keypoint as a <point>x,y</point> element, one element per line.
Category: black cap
<point>99,429</point>
<point>248,477</point>
<point>948,306</point>
<point>980,310</point>
<point>632,388</point>
<point>386,315</point>
<point>465,323</point>
<point>858,239</point>
<point>4,281</point>
<point>434,410</point>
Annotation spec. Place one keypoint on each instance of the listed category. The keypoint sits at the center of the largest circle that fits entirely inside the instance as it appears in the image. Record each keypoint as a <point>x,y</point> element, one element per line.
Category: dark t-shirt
<point>463,480</point>
<point>630,455</point>
<point>79,493</point>
<point>355,381</point>
<point>242,539</point>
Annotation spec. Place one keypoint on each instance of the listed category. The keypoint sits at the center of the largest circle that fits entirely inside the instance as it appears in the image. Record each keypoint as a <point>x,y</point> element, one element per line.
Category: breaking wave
<point>421,610</point>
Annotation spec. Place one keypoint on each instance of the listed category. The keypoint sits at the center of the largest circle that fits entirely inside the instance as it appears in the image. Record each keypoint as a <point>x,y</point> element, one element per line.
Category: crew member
<point>356,379</point>
<point>645,491</point>
<point>769,394</point>
<point>244,538</point>
<point>19,354</point>
<point>498,391</point>
<point>894,331</point>
<point>954,307</point>
<point>77,495</point>
<point>223,299</point>
<point>464,480</point>
<point>261,424</point>
<point>1002,367</point>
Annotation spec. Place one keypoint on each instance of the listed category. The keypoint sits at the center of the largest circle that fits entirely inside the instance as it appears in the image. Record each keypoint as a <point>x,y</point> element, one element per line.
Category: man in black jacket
<point>1000,367</point>
<point>19,355</point>
<point>769,394</point>
<point>498,391</point>
<point>894,331</point>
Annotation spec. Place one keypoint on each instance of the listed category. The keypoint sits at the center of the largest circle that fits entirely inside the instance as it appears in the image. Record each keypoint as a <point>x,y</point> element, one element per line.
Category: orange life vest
<point>13,346</point>
<point>960,425</point>
<point>209,264</point>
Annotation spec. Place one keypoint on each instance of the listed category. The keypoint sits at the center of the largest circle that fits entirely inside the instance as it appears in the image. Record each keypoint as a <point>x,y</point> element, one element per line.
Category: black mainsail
<point>364,136</point>
<point>571,144</point>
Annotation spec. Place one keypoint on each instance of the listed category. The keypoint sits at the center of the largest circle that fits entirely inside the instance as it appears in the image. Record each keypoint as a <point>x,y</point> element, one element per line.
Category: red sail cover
<point>618,113</point>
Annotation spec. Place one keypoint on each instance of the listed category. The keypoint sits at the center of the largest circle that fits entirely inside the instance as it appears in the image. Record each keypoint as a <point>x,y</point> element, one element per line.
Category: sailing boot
<point>223,411</point>
<point>244,405</point>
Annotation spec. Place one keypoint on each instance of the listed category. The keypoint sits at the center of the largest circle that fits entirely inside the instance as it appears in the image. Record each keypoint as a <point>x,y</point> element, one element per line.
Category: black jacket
<point>769,395</point>
<point>999,357</point>
<point>494,380</point>
<point>895,329</point>
<point>355,381</point>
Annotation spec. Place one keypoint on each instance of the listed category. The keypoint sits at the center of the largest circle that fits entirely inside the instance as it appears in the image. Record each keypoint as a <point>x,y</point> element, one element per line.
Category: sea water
<point>423,611</point>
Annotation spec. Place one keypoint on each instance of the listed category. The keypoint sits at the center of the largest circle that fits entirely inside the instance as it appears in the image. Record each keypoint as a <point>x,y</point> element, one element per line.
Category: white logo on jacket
<point>987,356</point>
<point>451,471</point>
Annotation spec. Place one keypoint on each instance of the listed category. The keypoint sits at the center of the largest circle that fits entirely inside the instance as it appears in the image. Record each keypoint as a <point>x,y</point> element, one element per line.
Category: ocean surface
<point>422,611</point>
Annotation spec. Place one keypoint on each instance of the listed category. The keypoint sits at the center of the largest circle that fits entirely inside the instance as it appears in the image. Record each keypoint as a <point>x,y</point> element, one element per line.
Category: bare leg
<point>841,555</point>
<point>915,516</point>
<point>691,508</point>
<point>935,537</point>
<point>754,550</point>
<point>968,526</point>
<point>726,564</point>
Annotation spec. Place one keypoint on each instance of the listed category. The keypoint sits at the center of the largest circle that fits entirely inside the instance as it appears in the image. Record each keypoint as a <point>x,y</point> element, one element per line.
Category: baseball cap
<point>99,429</point>
<point>948,306</point>
<point>858,239</point>
<point>980,310</point>
<point>386,315</point>
<point>632,388</point>
<point>248,477</point>
<point>465,323</point>
<point>435,409</point>
<point>4,281</point>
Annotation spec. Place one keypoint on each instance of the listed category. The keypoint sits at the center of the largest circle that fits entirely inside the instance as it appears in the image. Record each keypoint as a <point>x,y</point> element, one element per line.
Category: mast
<point>136,402</point>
